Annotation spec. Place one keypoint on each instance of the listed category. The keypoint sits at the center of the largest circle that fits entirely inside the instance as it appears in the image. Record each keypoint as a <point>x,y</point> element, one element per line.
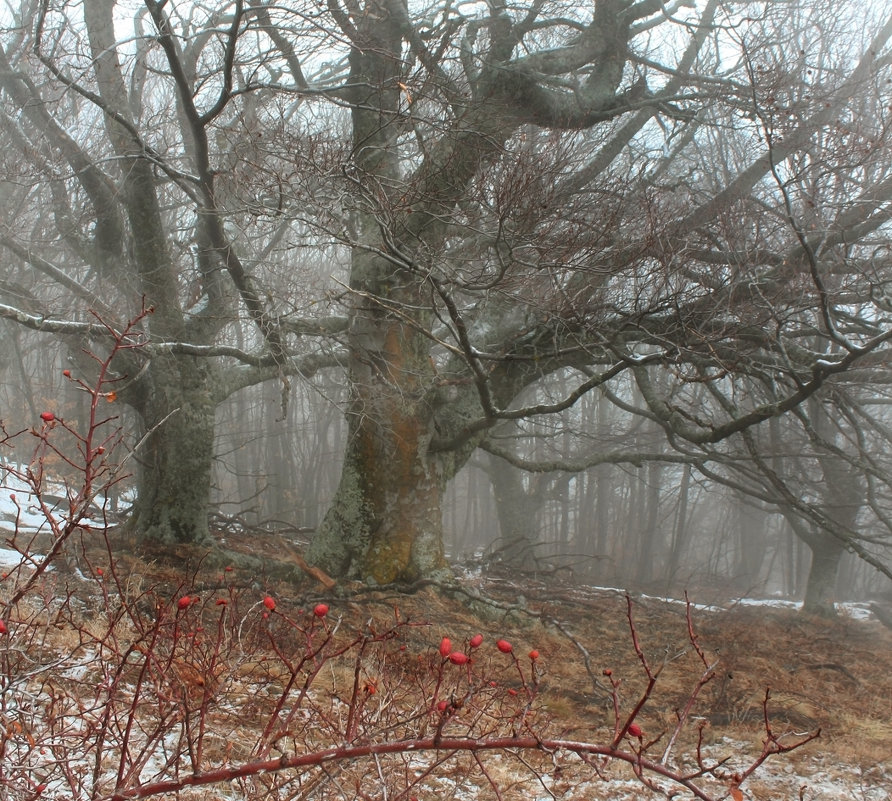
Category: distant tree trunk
<point>648,534</point>
<point>605,499</point>
<point>604,479</point>
<point>820,591</point>
<point>280,475</point>
<point>844,494</point>
<point>750,527</point>
<point>245,465</point>
<point>517,510</point>
<point>564,490</point>
<point>680,534</point>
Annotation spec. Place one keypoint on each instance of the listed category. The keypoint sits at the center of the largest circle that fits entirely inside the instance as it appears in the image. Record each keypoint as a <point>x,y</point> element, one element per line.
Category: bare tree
<point>112,142</point>
<point>505,194</point>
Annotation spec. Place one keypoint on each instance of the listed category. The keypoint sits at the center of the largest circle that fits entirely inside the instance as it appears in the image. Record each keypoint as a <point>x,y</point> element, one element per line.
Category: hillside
<point>216,667</point>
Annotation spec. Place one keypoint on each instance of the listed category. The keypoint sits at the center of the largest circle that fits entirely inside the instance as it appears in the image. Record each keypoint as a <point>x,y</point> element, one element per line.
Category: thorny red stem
<point>78,511</point>
<point>707,676</point>
<point>415,746</point>
<point>771,745</point>
<point>651,681</point>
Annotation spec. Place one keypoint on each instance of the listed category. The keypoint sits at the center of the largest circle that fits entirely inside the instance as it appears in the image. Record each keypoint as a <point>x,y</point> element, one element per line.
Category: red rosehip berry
<point>458,658</point>
<point>442,706</point>
<point>320,610</point>
<point>504,646</point>
<point>635,730</point>
<point>445,647</point>
<point>534,654</point>
<point>221,602</point>
<point>66,373</point>
<point>3,629</point>
<point>47,417</point>
<point>476,640</point>
<point>269,603</point>
<point>184,602</point>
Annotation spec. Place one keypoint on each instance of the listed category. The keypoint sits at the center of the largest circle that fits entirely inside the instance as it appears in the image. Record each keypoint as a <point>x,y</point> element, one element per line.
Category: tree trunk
<point>844,495</point>
<point>820,591</point>
<point>649,541</point>
<point>680,531</point>
<point>174,477</point>
<point>751,529</point>
<point>517,511</point>
<point>385,524</point>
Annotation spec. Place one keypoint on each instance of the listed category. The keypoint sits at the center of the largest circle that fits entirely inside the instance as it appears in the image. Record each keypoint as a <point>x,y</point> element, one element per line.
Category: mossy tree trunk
<point>176,459</point>
<point>385,522</point>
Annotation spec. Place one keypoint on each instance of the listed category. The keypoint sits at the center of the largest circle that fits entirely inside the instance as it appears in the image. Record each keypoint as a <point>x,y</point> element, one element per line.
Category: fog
<point>599,295</point>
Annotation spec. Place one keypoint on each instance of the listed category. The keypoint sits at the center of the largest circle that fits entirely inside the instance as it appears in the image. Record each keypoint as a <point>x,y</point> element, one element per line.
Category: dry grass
<point>833,675</point>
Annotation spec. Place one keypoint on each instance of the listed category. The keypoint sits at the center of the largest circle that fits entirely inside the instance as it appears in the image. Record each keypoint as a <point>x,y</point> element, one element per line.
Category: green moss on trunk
<point>175,463</point>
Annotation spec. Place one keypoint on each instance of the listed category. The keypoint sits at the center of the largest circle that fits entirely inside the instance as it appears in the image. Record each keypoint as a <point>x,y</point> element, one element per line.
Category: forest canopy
<point>544,236</point>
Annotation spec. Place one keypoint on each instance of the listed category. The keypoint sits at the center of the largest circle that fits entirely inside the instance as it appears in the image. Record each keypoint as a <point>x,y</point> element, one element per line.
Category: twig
<point>707,676</point>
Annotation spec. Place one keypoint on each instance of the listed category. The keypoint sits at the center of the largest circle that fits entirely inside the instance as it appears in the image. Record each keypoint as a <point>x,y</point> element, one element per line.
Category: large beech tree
<point>499,195</point>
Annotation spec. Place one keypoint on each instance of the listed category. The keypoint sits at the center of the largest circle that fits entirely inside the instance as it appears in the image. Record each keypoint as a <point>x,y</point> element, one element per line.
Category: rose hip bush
<point>155,697</point>
<point>113,687</point>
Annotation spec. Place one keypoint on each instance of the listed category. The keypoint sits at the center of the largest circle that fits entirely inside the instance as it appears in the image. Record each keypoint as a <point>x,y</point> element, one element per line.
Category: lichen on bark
<point>176,458</point>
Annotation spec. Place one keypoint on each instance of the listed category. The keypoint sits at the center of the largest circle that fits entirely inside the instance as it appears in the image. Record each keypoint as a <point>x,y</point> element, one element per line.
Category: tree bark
<point>820,591</point>
<point>384,524</point>
<point>680,529</point>
<point>845,494</point>
<point>176,459</point>
<point>518,512</point>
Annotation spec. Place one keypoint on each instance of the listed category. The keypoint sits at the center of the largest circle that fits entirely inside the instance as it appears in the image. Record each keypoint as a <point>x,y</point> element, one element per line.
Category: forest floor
<point>832,675</point>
